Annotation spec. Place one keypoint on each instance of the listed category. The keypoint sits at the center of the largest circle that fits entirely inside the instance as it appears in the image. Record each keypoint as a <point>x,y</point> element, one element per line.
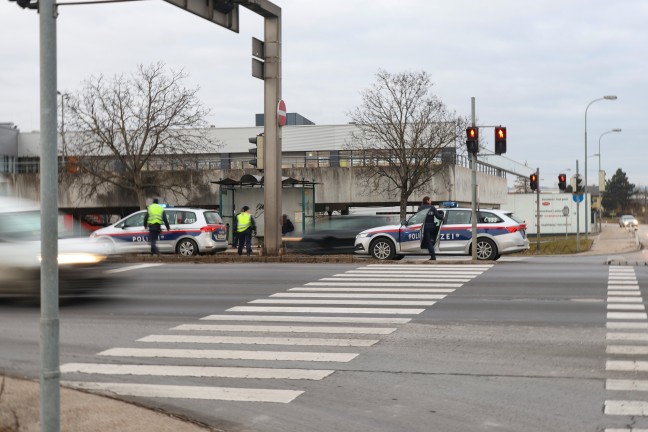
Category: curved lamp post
<point>599,170</point>
<point>587,216</point>
<point>599,152</point>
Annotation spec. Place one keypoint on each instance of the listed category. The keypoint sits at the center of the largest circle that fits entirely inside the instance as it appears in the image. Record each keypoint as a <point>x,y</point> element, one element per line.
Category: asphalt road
<point>517,346</point>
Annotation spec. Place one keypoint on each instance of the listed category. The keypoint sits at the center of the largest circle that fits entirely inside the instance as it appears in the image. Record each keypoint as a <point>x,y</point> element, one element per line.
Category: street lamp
<point>604,133</point>
<point>587,216</point>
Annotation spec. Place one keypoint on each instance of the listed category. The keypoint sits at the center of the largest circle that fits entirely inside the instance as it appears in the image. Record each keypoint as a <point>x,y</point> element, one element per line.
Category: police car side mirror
<point>404,222</point>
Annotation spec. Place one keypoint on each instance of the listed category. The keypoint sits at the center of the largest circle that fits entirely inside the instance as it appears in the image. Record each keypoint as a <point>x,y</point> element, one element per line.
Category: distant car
<point>81,263</point>
<point>499,232</point>
<point>334,234</point>
<point>628,221</point>
<point>193,231</point>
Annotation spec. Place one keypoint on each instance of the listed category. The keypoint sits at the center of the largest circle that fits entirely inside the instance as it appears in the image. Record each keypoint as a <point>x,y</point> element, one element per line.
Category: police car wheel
<point>382,249</point>
<point>486,249</point>
<point>187,247</point>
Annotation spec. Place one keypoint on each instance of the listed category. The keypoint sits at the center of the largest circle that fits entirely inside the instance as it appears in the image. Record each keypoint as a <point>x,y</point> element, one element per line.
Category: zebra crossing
<point>337,316</point>
<point>626,336</point>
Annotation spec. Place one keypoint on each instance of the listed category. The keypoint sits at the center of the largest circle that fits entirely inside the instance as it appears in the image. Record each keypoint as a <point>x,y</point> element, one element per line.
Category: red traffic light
<point>472,140</point>
<point>472,133</point>
<point>533,181</point>
<point>500,133</point>
<point>562,178</point>
<point>500,140</point>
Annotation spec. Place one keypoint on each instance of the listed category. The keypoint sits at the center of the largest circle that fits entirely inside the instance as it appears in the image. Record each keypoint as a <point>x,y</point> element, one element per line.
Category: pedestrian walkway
<point>613,240</point>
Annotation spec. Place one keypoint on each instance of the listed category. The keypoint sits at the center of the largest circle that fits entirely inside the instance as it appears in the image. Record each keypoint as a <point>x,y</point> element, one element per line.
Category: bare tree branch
<point>403,131</point>
<point>125,127</point>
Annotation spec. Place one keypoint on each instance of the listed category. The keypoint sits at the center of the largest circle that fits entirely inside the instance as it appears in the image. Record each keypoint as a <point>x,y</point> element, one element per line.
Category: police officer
<point>429,227</point>
<point>244,225</point>
<point>155,216</point>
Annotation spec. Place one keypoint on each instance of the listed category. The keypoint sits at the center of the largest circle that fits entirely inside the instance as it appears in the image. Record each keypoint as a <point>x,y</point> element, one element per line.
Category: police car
<point>193,231</point>
<point>499,232</point>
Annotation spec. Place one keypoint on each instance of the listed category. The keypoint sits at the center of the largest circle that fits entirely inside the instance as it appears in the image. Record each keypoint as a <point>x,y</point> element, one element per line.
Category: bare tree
<point>126,130</point>
<point>403,133</point>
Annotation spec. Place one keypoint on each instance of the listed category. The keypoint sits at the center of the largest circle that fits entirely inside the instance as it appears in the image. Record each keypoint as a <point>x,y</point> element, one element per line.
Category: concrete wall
<point>342,186</point>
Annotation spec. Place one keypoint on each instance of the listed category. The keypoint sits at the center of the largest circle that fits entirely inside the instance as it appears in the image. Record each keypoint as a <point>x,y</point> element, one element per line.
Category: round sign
<point>565,211</point>
<point>281,113</point>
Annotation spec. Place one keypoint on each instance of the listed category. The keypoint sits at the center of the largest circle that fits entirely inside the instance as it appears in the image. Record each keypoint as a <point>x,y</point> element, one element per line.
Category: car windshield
<point>26,226</point>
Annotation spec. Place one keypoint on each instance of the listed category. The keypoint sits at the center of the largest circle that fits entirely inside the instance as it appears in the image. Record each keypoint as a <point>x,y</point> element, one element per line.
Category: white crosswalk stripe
<point>628,327</point>
<point>372,291</point>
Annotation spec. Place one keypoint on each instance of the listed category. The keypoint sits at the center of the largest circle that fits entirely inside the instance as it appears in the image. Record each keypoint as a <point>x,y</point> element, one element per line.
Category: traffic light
<point>472,140</point>
<point>500,140</point>
<point>26,4</point>
<point>533,181</point>
<point>258,152</point>
<point>579,184</point>
<point>562,182</point>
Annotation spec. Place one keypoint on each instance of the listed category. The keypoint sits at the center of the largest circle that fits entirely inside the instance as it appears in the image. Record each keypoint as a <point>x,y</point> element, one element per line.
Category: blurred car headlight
<point>78,258</point>
<point>362,234</point>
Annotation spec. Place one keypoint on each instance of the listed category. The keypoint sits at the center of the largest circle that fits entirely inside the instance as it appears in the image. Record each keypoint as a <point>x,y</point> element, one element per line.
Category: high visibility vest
<point>155,214</point>
<point>243,221</point>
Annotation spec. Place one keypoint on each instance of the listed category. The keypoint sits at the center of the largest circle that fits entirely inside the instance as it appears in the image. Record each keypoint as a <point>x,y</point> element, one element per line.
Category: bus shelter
<point>298,198</point>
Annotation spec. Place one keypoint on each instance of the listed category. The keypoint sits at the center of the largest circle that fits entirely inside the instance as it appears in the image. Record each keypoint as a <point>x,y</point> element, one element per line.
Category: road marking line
<point>622,278</point>
<point>133,267</point>
<point>626,365</point>
<point>386,284</point>
<point>379,279</point>
<point>229,354</point>
<point>627,315</point>
<point>626,307</point>
<point>259,340</point>
<point>625,407</point>
<point>363,296</point>
<point>286,329</point>
<point>435,266</point>
<point>626,349</point>
<point>627,325</point>
<point>623,287</point>
<point>624,282</point>
<point>274,309</point>
<point>617,336</point>
<point>374,272</point>
<point>196,371</point>
<point>627,293</point>
<point>624,299</point>
<point>295,318</point>
<point>392,290</point>
<point>626,385</point>
<point>188,392</point>
<point>373,275</point>
<point>343,302</point>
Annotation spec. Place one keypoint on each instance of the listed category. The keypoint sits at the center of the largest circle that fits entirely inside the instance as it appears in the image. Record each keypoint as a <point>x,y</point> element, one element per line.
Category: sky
<point>532,66</point>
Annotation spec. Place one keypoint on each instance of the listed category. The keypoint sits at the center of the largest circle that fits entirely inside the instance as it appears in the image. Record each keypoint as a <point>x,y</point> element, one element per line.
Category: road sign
<point>577,198</point>
<point>281,113</point>
<point>565,211</point>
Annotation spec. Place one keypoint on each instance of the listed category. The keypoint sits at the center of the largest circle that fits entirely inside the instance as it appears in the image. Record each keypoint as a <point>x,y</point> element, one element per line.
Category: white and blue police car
<point>193,231</point>
<point>499,233</point>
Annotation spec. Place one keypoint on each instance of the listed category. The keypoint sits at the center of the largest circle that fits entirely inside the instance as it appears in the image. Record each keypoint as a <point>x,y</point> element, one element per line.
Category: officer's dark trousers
<point>429,239</point>
<point>244,237</point>
<point>154,234</point>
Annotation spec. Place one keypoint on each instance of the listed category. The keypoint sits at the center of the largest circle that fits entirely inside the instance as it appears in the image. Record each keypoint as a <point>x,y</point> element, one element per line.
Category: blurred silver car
<point>628,221</point>
<point>81,262</point>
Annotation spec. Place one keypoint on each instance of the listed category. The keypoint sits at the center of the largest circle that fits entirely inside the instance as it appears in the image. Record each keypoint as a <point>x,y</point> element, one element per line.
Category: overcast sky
<point>533,66</point>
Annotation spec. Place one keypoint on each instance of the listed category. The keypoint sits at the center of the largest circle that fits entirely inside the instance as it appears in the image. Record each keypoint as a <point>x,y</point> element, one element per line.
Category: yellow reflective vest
<point>243,221</point>
<point>155,214</point>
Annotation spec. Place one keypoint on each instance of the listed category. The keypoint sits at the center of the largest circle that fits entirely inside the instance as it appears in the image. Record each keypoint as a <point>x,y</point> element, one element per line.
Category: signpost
<point>281,113</point>
<point>565,212</point>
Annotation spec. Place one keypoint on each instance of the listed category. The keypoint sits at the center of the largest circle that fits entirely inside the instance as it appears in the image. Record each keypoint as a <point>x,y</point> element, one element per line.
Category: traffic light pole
<point>473,177</point>
<point>50,403</point>
<point>538,212</point>
<point>577,212</point>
